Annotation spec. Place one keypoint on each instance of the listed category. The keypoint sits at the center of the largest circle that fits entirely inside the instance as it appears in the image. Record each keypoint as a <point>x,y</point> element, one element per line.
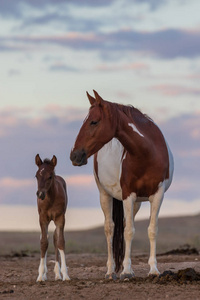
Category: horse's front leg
<point>106,205</point>
<point>43,249</point>
<point>155,202</point>
<point>60,246</point>
<point>129,231</point>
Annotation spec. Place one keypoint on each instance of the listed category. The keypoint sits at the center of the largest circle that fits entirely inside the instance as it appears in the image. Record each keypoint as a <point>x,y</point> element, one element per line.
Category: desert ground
<point>178,259</point>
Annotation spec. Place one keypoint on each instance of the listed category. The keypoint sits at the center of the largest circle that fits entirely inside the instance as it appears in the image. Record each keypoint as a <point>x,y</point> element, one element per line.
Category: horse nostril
<point>40,195</point>
<point>73,156</point>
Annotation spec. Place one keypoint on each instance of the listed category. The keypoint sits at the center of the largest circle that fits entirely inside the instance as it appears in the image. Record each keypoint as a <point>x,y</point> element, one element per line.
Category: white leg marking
<point>63,265</point>
<point>57,271</point>
<point>106,205</point>
<point>42,269</point>
<point>155,202</point>
<point>129,231</point>
<point>135,129</point>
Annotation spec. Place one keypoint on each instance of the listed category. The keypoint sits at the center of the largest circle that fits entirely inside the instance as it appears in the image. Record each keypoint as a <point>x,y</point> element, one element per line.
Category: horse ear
<point>38,160</point>
<point>99,100</point>
<point>54,161</point>
<point>91,99</point>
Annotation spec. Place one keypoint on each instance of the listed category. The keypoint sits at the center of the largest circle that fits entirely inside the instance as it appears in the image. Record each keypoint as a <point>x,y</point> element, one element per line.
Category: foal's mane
<point>47,161</point>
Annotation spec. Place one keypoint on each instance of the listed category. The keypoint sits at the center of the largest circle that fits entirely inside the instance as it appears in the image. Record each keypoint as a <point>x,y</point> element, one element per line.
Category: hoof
<point>58,277</point>
<point>41,279</point>
<point>126,276</point>
<point>154,272</point>
<point>111,276</point>
<point>66,278</point>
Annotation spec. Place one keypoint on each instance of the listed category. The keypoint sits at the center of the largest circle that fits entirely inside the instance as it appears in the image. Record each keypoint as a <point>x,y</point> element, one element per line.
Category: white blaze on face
<point>135,129</point>
<point>41,171</point>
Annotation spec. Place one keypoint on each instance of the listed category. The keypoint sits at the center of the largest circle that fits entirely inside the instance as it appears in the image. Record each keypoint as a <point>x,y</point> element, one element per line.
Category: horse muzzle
<point>41,195</point>
<point>78,157</point>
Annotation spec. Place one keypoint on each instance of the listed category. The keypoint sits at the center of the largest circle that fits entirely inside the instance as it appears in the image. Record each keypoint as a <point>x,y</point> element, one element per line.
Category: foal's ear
<point>54,161</point>
<point>91,99</point>
<point>99,100</point>
<point>38,160</point>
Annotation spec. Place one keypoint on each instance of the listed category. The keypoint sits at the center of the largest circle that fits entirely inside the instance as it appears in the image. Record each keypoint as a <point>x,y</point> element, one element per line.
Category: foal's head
<point>98,129</point>
<point>45,175</point>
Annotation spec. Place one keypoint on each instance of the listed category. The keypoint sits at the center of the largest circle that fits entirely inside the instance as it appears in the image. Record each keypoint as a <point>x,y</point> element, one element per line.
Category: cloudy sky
<point>142,52</point>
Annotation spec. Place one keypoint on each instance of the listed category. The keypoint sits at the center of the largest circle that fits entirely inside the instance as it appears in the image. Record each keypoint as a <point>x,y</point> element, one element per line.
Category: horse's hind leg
<point>61,245</point>
<point>43,247</point>
<point>57,265</point>
<point>155,202</point>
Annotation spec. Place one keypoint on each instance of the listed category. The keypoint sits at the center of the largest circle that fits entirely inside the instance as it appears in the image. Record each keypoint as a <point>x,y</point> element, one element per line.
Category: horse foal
<point>52,204</point>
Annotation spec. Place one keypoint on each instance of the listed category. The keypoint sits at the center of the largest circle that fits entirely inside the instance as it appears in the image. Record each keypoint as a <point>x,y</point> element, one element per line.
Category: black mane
<point>132,112</point>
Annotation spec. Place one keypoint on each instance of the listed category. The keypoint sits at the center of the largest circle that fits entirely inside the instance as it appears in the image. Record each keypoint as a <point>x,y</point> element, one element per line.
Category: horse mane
<point>132,112</point>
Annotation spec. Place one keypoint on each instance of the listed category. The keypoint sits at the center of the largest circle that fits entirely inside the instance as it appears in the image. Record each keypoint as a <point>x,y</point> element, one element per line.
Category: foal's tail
<point>118,237</point>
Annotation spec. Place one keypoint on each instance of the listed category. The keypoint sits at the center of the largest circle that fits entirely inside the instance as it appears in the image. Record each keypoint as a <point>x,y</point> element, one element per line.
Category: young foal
<point>132,162</point>
<point>52,204</point>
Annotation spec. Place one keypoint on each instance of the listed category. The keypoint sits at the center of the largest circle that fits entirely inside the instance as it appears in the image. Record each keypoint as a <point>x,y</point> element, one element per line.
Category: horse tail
<point>118,237</point>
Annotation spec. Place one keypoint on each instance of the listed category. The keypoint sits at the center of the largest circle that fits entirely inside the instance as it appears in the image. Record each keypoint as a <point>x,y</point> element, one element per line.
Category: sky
<point>138,52</point>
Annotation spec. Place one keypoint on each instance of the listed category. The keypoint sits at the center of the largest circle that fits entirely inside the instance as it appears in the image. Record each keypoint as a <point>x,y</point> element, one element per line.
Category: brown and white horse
<point>52,204</point>
<point>132,162</point>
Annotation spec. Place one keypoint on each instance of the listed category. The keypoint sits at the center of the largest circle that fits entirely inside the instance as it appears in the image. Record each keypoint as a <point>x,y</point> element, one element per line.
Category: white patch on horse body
<point>109,160</point>
<point>124,156</point>
<point>135,129</point>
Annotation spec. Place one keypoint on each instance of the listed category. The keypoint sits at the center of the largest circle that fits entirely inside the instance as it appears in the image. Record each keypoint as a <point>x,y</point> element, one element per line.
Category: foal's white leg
<point>63,265</point>
<point>129,231</point>
<point>42,270</point>
<point>107,206</point>
<point>57,271</point>
<point>155,202</point>
<point>59,243</point>
<point>43,246</point>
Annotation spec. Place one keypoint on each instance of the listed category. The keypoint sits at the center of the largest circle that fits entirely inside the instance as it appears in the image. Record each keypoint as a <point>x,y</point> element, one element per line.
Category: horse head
<point>98,129</point>
<point>45,175</point>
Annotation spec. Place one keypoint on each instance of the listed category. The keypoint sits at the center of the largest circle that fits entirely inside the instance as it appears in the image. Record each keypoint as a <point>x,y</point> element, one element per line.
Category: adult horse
<point>133,163</point>
<point>52,204</point>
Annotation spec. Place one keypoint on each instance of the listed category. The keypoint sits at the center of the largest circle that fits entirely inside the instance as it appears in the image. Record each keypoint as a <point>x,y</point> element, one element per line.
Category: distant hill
<point>173,233</point>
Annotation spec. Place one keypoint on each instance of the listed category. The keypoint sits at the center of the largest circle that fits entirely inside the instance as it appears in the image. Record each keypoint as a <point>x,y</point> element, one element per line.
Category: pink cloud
<point>80,180</point>
<point>175,90</point>
<point>191,153</point>
<point>132,66</point>
<point>68,113</point>
<point>13,183</point>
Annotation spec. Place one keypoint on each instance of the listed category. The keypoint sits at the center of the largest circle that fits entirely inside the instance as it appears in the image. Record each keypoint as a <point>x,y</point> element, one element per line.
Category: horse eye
<point>50,177</point>
<point>93,122</point>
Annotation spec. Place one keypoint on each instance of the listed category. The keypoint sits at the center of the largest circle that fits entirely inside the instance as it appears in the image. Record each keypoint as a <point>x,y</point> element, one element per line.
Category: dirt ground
<point>86,260</point>
<point>18,279</point>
